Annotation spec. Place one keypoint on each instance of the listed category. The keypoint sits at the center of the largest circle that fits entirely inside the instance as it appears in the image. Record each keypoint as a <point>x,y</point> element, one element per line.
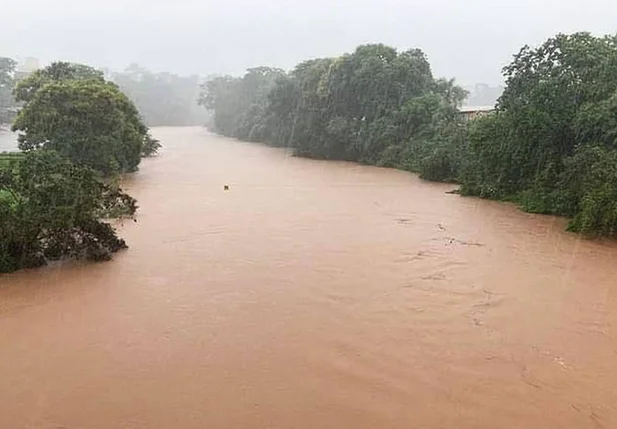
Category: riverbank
<point>380,106</point>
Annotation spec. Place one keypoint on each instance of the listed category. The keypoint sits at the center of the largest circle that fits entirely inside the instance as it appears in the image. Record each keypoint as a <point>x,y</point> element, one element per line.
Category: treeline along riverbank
<point>551,145</point>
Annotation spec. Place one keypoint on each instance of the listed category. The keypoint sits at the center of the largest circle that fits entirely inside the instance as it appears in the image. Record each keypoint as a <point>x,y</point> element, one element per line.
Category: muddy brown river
<point>313,295</point>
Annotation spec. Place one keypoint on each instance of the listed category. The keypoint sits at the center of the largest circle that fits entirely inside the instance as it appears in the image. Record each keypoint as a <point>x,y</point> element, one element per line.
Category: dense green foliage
<point>7,102</point>
<point>551,145</point>
<point>162,98</point>
<point>50,209</point>
<point>27,88</point>
<point>77,133</point>
<point>7,157</point>
<point>375,106</point>
<point>71,109</point>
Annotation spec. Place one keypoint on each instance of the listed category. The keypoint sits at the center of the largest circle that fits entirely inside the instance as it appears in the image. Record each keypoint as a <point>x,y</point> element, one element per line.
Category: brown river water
<point>313,294</point>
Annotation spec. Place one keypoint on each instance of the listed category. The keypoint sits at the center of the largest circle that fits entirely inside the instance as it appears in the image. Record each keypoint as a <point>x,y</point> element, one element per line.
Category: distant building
<point>471,112</point>
<point>29,65</point>
<point>482,94</point>
<point>26,67</point>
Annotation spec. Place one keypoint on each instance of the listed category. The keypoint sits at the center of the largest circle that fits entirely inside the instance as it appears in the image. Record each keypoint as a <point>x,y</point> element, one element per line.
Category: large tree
<point>77,132</point>
<point>60,71</point>
<point>73,110</point>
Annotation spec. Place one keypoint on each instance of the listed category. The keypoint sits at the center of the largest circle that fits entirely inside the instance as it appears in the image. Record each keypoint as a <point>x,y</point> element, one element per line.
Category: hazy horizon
<point>469,41</point>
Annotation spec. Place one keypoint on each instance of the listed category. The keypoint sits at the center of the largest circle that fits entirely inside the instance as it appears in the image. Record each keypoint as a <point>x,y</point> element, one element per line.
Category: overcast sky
<point>467,39</point>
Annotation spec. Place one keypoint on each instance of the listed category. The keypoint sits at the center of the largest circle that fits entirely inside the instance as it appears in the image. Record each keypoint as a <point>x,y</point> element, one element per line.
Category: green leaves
<point>90,122</point>
<point>78,133</point>
<point>375,105</point>
<point>590,186</point>
<point>551,145</point>
<point>56,72</point>
<point>150,146</point>
<point>50,209</point>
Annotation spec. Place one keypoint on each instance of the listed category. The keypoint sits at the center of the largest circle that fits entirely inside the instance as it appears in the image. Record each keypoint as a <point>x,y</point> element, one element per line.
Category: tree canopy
<point>375,105</point>
<point>77,133</point>
<point>551,145</point>
<point>26,89</point>
<point>70,108</point>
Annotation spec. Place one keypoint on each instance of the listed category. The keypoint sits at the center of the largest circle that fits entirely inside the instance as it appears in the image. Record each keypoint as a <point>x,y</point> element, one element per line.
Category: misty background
<point>468,40</point>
